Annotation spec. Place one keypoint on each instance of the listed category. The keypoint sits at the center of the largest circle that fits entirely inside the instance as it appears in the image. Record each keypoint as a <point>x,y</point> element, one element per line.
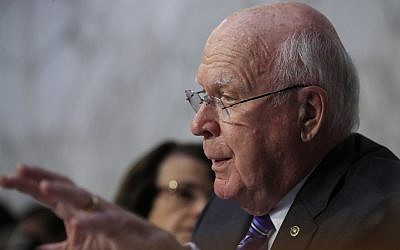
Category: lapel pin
<point>294,231</point>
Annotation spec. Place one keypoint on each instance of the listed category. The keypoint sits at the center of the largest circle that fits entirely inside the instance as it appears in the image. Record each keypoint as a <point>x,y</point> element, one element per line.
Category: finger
<point>109,221</point>
<point>54,246</point>
<point>29,187</point>
<point>67,194</point>
<point>37,173</point>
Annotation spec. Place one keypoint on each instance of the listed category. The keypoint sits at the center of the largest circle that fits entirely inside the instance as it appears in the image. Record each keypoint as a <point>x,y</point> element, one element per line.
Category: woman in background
<point>169,187</point>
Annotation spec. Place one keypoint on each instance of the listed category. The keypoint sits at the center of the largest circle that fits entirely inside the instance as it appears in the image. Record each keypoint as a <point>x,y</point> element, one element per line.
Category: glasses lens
<point>222,111</point>
<point>194,99</point>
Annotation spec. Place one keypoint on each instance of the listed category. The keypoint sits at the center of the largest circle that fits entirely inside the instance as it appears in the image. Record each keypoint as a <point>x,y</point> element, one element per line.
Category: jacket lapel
<point>299,225</point>
<point>297,229</point>
<point>221,226</point>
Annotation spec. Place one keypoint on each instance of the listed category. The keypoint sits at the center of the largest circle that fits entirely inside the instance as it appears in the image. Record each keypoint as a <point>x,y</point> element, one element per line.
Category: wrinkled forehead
<point>242,48</point>
<point>234,54</point>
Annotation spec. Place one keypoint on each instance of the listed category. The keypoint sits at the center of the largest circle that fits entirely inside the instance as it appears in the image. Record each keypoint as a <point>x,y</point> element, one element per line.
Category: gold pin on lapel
<point>294,231</point>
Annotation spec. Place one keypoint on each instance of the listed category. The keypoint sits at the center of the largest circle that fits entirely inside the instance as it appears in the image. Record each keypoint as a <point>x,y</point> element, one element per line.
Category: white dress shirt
<point>279,212</point>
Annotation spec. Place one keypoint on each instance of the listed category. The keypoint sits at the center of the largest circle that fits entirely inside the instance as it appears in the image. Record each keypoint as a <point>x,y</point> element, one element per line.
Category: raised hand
<point>91,222</point>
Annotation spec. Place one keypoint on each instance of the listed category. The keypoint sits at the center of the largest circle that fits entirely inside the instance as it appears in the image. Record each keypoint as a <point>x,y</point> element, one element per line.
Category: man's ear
<point>312,111</point>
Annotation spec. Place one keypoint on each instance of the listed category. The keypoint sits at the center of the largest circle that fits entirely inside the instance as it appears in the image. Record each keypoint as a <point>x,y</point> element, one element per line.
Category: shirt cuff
<point>191,246</point>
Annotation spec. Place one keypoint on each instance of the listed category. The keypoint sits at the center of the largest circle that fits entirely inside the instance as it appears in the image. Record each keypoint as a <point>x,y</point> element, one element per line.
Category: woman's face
<point>185,186</point>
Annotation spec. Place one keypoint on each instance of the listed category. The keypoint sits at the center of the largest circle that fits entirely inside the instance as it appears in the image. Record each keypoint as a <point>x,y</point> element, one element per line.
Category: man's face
<point>249,147</point>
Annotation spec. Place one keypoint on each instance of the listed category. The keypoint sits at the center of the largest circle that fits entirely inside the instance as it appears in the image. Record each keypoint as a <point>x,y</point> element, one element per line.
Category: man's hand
<point>91,222</point>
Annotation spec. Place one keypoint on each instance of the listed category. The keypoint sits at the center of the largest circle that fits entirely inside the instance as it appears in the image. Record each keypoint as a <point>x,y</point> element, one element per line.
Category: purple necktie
<point>260,231</point>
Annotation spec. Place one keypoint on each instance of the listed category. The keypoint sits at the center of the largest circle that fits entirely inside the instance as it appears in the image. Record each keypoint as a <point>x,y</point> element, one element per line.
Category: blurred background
<point>87,86</point>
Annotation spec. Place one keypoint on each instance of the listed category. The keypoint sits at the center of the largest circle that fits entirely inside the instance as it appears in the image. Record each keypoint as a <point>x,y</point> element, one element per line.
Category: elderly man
<point>278,105</point>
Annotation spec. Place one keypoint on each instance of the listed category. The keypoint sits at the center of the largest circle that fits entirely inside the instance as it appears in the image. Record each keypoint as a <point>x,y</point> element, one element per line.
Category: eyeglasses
<point>184,192</point>
<point>197,98</point>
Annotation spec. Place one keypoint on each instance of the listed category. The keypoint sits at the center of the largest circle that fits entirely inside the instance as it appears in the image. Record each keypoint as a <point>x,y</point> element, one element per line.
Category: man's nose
<point>205,123</point>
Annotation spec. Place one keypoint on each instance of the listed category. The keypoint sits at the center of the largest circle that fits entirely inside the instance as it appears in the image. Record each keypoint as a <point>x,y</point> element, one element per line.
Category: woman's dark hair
<point>138,189</point>
<point>6,216</point>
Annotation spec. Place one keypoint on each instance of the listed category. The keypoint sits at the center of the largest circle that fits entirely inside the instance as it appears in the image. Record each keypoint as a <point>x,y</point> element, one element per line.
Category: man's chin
<point>224,190</point>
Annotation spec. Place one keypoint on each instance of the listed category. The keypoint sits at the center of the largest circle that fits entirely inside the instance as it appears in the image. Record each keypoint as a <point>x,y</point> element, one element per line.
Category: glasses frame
<point>208,99</point>
<point>183,191</point>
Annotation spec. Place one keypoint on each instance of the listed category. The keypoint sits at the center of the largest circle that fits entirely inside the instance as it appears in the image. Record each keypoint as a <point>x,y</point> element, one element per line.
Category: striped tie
<point>260,231</point>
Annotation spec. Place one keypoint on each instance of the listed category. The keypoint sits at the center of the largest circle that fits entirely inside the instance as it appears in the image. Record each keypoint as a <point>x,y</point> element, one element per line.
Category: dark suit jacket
<point>350,201</point>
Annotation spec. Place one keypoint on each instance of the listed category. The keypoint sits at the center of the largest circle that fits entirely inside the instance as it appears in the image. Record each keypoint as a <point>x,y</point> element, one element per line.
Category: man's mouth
<point>220,164</point>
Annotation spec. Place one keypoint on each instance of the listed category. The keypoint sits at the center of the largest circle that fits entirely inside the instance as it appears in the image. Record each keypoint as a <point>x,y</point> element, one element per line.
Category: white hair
<point>315,58</point>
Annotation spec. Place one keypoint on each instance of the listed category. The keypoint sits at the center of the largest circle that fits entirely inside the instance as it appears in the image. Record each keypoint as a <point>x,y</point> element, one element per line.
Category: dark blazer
<point>350,201</point>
